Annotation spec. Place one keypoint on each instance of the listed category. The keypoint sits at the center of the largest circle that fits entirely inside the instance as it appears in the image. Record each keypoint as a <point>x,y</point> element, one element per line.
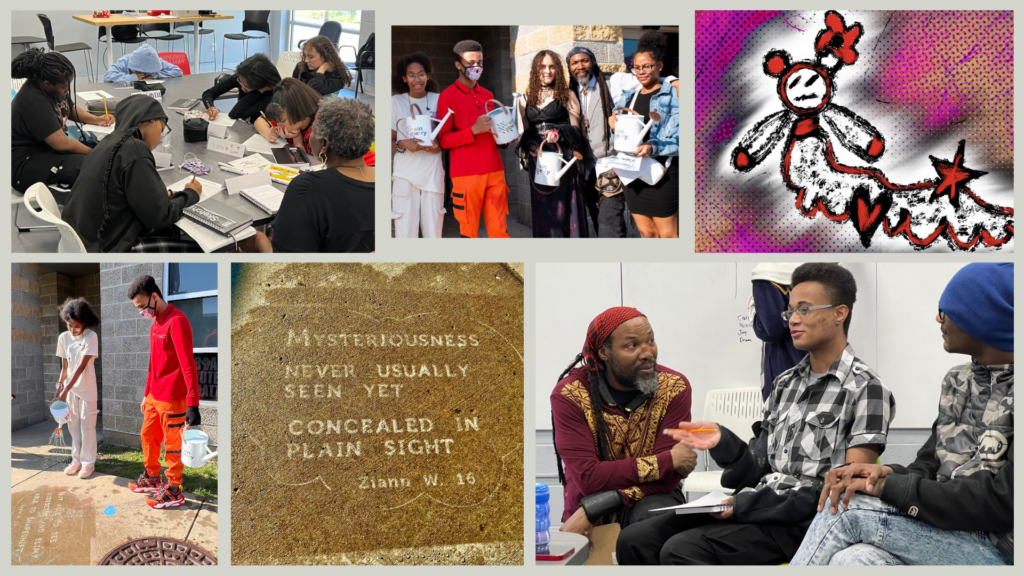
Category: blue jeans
<point>871,532</point>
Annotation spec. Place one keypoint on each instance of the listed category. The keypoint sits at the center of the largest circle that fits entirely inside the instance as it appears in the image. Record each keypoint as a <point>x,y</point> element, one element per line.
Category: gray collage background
<point>450,12</point>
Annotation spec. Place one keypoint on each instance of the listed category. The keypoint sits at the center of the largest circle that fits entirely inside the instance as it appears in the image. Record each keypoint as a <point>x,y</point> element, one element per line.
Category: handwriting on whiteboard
<point>745,329</point>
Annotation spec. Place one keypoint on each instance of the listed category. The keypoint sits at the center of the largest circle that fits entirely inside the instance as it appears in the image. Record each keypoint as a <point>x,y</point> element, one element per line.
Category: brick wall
<point>604,41</point>
<point>54,289</point>
<point>29,405</point>
<point>125,344</point>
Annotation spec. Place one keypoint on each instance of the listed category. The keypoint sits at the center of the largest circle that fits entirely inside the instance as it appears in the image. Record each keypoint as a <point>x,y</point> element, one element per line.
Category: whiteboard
<point>702,325</point>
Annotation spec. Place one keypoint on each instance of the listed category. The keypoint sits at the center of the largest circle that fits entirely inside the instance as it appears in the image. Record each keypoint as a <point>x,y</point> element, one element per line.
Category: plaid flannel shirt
<point>811,423</point>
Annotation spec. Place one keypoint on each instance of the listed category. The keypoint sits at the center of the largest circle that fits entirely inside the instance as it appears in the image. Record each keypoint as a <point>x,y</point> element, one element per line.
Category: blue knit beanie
<point>979,299</point>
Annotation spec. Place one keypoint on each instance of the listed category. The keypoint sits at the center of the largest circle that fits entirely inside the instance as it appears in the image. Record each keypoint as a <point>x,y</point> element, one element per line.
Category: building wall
<point>437,43</point>
<point>29,406</point>
<point>604,41</point>
<point>54,289</point>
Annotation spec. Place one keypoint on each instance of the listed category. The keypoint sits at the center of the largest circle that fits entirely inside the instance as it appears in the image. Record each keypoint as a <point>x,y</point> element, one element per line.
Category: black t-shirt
<point>34,116</point>
<point>325,211</point>
<point>622,397</point>
<point>642,106</point>
<point>249,105</point>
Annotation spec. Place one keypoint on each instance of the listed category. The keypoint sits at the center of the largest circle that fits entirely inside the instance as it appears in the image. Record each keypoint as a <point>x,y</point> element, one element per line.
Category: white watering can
<point>419,125</point>
<point>630,129</point>
<point>59,410</point>
<point>194,448</point>
<point>503,121</point>
<point>548,164</point>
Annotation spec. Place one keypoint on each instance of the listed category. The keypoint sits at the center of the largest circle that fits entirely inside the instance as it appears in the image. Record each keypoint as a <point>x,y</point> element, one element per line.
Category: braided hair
<point>35,64</point>
<point>603,450</point>
<point>105,186</point>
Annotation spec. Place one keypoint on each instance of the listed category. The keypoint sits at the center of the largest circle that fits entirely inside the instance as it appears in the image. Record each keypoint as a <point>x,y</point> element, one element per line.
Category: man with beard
<point>597,95</point>
<point>478,176</point>
<point>608,416</point>
<point>829,410</point>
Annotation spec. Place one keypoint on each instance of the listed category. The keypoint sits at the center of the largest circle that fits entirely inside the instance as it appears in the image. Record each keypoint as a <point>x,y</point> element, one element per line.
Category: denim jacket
<point>664,135</point>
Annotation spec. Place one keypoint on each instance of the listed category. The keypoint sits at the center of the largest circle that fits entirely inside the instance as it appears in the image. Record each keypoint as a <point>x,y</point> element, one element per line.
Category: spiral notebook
<point>266,198</point>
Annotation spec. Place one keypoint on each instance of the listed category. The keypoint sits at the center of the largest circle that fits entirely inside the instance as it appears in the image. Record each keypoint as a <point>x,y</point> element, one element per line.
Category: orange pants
<point>485,193</point>
<point>162,423</point>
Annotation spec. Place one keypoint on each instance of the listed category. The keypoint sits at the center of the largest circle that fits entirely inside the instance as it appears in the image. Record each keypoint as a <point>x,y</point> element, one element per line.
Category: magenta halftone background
<point>924,79</point>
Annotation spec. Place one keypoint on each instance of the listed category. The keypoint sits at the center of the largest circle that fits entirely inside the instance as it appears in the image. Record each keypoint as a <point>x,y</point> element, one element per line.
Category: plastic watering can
<point>630,129</point>
<point>419,125</point>
<point>194,448</point>
<point>548,164</point>
<point>503,120</point>
<point>59,410</point>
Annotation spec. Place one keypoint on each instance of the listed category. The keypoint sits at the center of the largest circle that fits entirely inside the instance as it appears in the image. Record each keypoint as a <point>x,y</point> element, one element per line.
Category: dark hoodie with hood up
<point>134,203</point>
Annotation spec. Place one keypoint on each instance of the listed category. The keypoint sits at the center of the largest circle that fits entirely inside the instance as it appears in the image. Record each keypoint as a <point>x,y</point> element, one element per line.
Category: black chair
<point>186,28</point>
<point>364,60</point>
<point>331,30</point>
<point>255,21</point>
<point>167,36</point>
<point>64,48</point>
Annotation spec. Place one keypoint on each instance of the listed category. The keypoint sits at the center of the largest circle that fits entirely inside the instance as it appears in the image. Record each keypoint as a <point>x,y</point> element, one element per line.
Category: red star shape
<point>953,176</point>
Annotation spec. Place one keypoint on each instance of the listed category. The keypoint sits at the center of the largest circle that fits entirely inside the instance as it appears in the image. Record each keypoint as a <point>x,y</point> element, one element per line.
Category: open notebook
<point>266,198</point>
<point>710,503</point>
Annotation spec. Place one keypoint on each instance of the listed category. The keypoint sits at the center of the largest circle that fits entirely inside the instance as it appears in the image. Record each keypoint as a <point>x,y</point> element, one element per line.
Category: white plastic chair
<point>737,409</point>
<point>286,62</point>
<point>48,211</point>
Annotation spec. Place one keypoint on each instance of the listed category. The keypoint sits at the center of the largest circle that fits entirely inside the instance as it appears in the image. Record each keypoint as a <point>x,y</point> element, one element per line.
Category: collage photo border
<point>530,251</point>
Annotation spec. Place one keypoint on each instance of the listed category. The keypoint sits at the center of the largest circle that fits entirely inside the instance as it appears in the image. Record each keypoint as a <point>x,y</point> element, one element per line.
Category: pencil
<point>695,430</point>
<point>105,113</point>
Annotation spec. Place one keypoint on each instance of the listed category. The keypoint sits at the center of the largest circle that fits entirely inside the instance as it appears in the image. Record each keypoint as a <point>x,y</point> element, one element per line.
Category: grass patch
<point>125,462</point>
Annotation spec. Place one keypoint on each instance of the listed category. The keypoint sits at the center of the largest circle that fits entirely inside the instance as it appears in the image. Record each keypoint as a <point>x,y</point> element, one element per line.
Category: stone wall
<point>29,404</point>
<point>54,289</point>
<point>604,41</point>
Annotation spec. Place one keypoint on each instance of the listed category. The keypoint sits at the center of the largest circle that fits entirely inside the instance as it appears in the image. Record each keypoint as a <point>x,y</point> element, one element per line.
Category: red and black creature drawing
<point>941,208</point>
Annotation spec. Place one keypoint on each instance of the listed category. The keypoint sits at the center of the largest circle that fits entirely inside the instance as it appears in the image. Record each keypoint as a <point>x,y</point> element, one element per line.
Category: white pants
<point>413,209</point>
<point>82,424</point>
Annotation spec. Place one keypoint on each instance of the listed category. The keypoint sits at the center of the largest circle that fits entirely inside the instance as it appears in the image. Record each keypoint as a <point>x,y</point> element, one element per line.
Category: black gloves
<point>192,417</point>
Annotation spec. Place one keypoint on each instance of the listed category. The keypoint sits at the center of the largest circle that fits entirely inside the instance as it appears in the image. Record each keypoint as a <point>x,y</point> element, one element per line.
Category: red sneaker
<point>164,497</point>
<point>145,484</point>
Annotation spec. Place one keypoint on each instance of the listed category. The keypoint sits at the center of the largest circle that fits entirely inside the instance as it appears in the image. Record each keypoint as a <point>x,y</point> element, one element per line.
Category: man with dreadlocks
<point>828,411</point>
<point>40,146</point>
<point>608,416</point>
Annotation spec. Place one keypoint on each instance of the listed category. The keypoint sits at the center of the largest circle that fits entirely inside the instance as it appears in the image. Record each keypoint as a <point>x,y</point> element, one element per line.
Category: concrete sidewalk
<point>58,519</point>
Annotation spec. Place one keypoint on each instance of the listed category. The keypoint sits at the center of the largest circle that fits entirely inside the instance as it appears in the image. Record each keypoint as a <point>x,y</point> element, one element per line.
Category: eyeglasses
<point>942,315</point>
<point>166,131</point>
<point>415,76</point>
<point>804,310</point>
<point>644,68</point>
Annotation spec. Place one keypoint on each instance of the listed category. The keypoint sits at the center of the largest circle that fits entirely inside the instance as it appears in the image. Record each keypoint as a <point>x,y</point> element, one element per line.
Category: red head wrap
<point>601,328</point>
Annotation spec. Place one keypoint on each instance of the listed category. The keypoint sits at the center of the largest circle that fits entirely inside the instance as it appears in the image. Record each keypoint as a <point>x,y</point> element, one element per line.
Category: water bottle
<point>543,522</point>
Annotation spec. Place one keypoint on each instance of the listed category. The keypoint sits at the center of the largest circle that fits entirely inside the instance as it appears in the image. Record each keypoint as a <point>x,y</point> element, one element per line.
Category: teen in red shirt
<point>478,177</point>
<point>171,396</point>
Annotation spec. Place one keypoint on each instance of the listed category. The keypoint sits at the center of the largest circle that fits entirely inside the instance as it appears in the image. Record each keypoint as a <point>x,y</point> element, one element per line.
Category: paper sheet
<point>210,188</point>
<point>94,95</point>
<point>209,240</point>
<point>257,143</point>
<point>712,500</point>
<point>266,195</point>
<point>97,129</point>
<point>252,163</point>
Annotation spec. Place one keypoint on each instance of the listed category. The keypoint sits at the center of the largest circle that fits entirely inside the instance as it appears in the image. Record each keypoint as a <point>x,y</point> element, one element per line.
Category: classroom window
<point>304,24</point>
<point>192,288</point>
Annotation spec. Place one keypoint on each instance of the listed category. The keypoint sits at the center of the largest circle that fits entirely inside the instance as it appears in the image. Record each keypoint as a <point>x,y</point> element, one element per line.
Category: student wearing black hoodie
<point>119,198</point>
<point>254,78</point>
<point>828,410</point>
<point>954,504</point>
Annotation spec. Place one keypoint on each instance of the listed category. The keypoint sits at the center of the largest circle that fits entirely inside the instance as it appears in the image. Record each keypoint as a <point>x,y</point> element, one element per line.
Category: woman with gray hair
<point>331,210</point>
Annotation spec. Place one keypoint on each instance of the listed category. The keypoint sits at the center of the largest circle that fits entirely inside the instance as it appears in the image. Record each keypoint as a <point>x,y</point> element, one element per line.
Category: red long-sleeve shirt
<point>471,154</point>
<point>641,462</point>
<point>172,367</point>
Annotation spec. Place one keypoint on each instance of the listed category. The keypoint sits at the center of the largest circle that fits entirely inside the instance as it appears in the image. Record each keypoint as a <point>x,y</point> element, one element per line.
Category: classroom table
<point>192,86</point>
<point>577,541</point>
<point>26,41</point>
<point>122,20</point>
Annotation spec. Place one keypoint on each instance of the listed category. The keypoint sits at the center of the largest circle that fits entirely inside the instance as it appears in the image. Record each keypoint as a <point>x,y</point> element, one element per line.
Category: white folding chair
<point>286,62</point>
<point>48,211</point>
<point>737,409</point>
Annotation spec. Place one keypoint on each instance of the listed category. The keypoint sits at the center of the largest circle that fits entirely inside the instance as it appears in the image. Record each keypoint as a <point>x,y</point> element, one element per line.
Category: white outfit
<point>82,400</point>
<point>417,191</point>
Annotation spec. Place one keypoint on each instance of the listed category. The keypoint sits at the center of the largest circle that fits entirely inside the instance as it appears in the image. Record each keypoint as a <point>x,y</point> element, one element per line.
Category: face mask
<point>149,311</point>
<point>473,72</point>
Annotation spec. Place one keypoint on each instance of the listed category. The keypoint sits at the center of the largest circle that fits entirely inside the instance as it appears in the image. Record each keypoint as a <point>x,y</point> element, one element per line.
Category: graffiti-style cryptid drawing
<point>934,210</point>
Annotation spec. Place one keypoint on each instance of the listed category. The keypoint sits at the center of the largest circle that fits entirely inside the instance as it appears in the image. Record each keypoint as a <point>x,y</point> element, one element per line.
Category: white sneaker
<point>72,468</point>
<point>87,470</point>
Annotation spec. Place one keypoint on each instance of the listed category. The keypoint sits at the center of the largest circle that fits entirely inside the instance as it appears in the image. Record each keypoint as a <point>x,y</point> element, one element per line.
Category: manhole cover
<point>158,551</point>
